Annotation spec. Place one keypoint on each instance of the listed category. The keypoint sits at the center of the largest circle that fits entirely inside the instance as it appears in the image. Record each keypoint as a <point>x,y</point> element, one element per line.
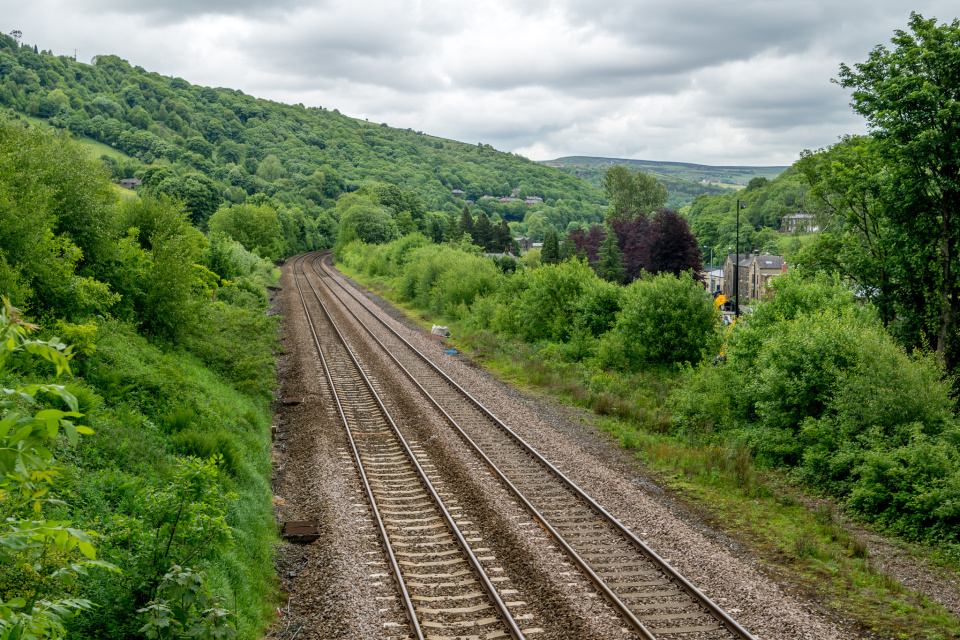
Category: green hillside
<point>714,218</point>
<point>684,181</point>
<point>301,158</point>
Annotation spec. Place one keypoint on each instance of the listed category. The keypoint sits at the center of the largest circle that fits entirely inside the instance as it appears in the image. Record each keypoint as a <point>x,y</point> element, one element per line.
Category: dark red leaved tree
<point>672,247</point>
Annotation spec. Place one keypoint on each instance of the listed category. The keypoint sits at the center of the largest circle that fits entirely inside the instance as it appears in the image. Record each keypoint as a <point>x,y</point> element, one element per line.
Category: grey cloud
<point>166,12</point>
<point>736,82</point>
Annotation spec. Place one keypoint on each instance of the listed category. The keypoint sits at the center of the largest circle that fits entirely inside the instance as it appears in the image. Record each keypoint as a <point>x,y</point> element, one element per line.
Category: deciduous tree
<point>632,193</point>
<point>910,96</point>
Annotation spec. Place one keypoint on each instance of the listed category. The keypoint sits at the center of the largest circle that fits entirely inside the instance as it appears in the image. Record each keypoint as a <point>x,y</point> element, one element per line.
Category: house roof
<point>765,261</point>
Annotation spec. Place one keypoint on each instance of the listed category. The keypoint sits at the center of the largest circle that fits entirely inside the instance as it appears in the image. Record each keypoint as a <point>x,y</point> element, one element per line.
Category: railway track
<point>651,597</point>
<point>445,590</point>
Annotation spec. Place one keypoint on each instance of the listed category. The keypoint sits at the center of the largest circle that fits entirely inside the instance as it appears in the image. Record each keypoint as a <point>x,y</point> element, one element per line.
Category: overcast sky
<point>737,82</point>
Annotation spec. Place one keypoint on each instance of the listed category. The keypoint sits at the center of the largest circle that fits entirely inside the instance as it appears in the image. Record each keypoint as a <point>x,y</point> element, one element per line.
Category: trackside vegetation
<point>809,382</point>
<point>809,395</point>
<point>134,449</point>
<point>134,439</point>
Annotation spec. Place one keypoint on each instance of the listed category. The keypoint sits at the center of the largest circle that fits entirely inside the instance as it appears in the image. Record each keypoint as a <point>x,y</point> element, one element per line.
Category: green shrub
<point>826,386</point>
<point>441,278</point>
<point>815,384</point>
<point>547,307</point>
<point>914,489</point>
<point>794,296</point>
<point>664,320</point>
<point>704,400</point>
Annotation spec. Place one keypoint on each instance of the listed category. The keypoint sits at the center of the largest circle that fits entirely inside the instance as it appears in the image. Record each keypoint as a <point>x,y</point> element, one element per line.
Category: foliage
<point>44,556</point>
<point>209,146</point>
<point>185,522</point>
<point>632,194</point>
<point>545,304</point>
<point>256,227</point>
<point>550,253</point>
<point>160,291</point>
<point>663,320</point>
<point>149,273</point>
<point>909,97</point>
<point>609,264</point>
<point>48,185</point>
<point>361,218</point>
<point>684,181</point>
<point>848,179</point>
<point>713,219</point>
<point>813,382</point>
<point>657,244</point>
<point>185,608</point>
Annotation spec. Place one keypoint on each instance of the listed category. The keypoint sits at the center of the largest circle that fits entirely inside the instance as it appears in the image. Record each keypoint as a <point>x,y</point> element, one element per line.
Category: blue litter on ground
<point>451,351</point>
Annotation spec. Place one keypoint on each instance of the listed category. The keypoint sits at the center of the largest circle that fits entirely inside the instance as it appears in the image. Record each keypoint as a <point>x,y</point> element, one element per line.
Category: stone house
<point>762,269</point>
<point>730,275</point>
<point>755,271</point>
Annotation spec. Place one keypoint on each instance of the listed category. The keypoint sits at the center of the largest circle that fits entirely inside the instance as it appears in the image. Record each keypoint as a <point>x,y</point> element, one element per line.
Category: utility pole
<point>736,263</point>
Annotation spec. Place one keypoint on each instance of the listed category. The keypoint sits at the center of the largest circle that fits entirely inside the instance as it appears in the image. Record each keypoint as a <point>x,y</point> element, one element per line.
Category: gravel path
<point>331,592</point>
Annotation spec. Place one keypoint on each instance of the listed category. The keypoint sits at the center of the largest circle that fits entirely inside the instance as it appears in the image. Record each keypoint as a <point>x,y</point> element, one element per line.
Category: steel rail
<point>607,593</point>
<point>395,567</point>
<point>718,613</point>
<point>491,591</point>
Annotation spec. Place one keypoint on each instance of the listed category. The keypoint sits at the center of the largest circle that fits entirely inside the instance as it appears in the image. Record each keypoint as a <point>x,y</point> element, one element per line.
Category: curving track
<point>649,595</point>
<point>444,588</point>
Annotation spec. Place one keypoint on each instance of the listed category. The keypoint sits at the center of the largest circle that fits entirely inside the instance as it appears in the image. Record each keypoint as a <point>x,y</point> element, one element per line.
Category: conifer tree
<point>466,222</point>
<point>452,232</point>
<point>504,239</point>
<point>550,253</point>
<point>483,233</point>
<point>610,264</point>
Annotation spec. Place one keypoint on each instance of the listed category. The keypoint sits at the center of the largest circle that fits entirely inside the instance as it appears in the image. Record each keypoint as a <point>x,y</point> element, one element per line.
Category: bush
<point>704,400</point>
<point>441,278</point>
<point>912,489</point>
<point>664,320</point>
<point>547,307</point>
<point>826,386</point>
<point>794,296</point>
<point>815,384</point>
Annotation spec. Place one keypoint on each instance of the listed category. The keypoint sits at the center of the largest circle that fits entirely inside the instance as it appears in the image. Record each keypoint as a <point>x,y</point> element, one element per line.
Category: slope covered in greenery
<point>222,146</point>
<point>714,218</point>
<point>172,469</point>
